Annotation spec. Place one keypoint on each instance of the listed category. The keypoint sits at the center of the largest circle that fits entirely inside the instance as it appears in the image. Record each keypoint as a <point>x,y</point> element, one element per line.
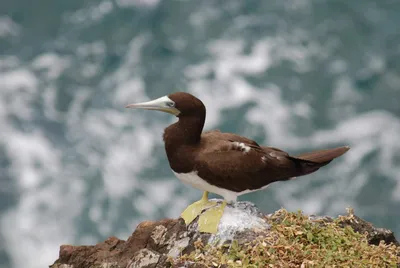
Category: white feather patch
<point>242,146</point>
<point>275,155</point>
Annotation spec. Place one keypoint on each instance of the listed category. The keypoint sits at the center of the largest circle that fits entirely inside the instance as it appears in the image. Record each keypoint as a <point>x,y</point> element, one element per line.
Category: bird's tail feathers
<point>312,161</point>
<point>323,156</point>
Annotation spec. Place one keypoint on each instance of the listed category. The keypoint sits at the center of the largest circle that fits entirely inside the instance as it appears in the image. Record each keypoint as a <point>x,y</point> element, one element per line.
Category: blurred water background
<point>76,167</point>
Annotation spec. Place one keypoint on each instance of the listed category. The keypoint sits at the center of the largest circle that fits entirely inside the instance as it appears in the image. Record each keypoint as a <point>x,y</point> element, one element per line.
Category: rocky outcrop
<point>169,243</point>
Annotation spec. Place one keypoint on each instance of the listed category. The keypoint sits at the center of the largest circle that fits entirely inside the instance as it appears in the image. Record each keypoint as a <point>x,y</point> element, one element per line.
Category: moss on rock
<point>296,240</point>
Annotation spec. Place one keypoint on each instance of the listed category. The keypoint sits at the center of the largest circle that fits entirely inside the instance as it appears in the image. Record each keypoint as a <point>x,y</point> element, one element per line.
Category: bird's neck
<point>187,131</point>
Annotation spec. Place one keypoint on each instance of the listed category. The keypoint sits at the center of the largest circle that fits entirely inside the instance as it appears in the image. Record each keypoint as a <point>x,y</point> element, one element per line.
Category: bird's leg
<point>192,211</point>
<point>209,220</point>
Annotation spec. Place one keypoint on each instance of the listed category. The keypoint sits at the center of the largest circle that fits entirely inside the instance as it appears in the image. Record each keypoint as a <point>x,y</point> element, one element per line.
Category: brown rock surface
<point>146,247</point>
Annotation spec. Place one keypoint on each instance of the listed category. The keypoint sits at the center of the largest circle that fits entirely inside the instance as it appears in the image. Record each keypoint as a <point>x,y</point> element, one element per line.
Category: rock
<point>167,242</point>
<point>144,258</point>
<point>375,235</point>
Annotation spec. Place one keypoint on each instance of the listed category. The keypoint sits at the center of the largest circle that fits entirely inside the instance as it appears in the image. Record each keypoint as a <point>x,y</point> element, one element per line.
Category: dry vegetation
<point>296,241</point>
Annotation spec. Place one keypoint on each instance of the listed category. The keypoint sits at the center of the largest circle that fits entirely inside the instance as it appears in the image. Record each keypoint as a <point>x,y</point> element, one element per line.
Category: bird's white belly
<point>194,180</point>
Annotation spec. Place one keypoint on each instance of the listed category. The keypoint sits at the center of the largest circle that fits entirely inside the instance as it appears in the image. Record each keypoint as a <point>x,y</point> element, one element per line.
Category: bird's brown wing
<point>230,166</point>
<point>228,137</point>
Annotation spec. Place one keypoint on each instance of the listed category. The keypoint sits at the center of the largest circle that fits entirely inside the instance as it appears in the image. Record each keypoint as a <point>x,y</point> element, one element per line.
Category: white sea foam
<point>35,224</point>
<point>44,207</point>
<point>51,63</point>
<point>137,3</point>
<point>92,13</point>
<point>8,28</point>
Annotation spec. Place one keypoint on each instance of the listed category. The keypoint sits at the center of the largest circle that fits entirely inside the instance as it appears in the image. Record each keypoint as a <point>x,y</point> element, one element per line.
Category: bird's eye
<point>170,104</point>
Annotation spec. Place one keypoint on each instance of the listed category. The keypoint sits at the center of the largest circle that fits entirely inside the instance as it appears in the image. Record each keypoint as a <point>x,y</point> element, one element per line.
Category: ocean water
<point>77,167</point>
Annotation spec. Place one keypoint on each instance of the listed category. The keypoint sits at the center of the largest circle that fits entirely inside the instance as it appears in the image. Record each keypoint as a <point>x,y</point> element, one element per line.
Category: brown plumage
<point>225,160</point>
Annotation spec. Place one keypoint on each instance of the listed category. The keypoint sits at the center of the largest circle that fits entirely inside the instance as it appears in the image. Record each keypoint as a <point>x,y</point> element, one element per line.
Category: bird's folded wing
<point>241,167</point>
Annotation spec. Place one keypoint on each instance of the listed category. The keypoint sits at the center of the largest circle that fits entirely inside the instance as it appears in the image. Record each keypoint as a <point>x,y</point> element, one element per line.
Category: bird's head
<point>178,104</point>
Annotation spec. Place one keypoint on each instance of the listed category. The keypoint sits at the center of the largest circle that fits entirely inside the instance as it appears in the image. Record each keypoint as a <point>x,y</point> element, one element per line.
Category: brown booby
<point>223,163</point>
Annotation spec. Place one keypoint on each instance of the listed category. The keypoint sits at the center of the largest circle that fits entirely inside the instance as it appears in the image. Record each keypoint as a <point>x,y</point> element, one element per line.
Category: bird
<point>223,163</point>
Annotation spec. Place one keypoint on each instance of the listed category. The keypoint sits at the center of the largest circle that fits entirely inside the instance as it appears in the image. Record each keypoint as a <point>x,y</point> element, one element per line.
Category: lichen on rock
<point>246,238</point>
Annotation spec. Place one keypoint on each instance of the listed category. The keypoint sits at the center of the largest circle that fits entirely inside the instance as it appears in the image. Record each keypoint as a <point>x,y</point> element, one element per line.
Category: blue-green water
<point>76,167</point>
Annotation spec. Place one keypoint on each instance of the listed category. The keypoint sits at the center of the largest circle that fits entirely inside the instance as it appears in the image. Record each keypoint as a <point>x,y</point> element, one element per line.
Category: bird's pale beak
<point>163,104</point>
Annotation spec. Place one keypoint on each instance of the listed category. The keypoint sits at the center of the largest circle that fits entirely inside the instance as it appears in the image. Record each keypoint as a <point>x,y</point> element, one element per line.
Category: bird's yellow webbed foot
<point>209,220</point>
<point>192,211</point>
